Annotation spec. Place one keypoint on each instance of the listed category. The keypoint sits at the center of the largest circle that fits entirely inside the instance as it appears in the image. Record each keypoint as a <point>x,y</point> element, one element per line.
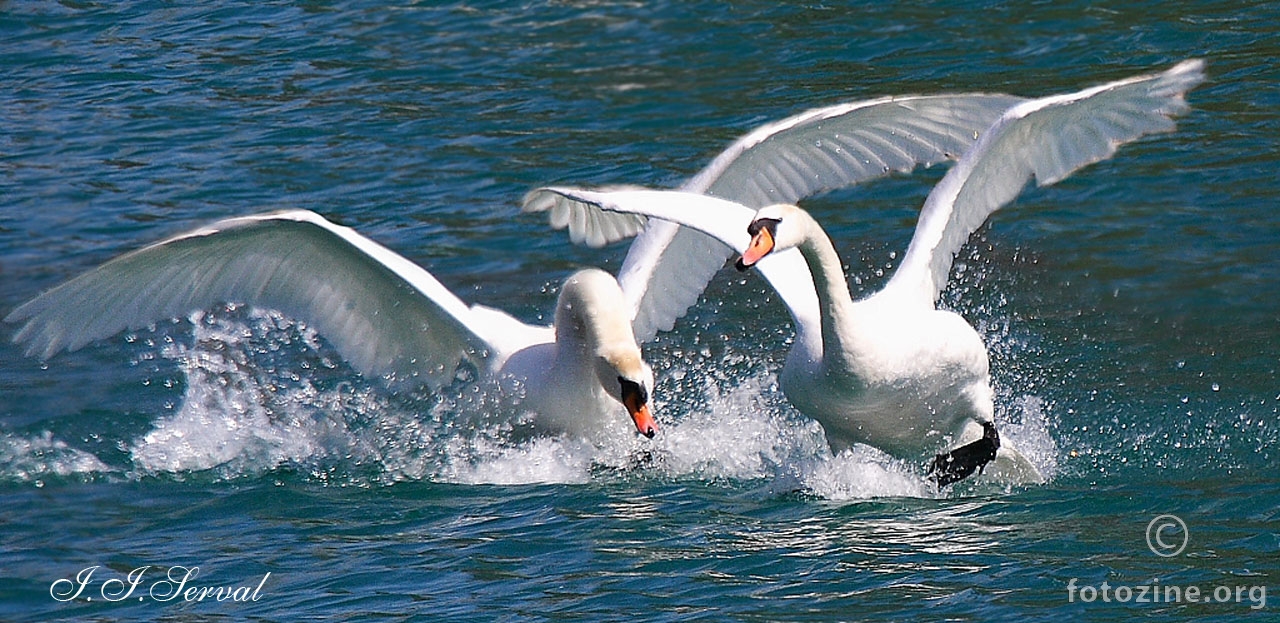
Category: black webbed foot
<point>960,463</point>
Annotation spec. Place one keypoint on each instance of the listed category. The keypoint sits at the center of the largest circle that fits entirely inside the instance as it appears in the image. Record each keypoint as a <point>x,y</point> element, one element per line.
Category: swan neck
<point>589,316</point>
<point>834,301</point>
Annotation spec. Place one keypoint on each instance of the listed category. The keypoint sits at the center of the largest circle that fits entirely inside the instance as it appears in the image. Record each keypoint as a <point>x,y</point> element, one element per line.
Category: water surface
<point>1130,312</point>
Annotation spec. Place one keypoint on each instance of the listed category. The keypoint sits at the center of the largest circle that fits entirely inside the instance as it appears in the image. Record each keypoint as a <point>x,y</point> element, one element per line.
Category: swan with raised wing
<point>892,370</point>
<point>384,314</point>
<point>388,316</point>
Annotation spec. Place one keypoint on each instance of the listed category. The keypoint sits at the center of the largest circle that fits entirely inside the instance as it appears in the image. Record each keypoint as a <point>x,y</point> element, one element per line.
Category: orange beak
<point>638,406</point>
<point>761,245</point>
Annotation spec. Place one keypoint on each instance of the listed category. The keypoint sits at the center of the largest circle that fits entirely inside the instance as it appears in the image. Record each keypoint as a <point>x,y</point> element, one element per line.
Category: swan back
<point>591,322</point>
<point>591,313</point>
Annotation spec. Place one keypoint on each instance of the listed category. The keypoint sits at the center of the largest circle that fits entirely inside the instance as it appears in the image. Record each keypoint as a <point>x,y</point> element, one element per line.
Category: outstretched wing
<point>1048,138</point>
<point>724,223</point>
<point>841,145</point>
<point>667,267</point>
<point>383,313</point>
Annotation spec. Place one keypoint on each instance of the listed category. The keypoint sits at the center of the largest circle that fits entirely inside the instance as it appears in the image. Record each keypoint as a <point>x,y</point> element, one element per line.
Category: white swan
<point>892,370</point>
<point>388,316</point>
<point>383,313</point>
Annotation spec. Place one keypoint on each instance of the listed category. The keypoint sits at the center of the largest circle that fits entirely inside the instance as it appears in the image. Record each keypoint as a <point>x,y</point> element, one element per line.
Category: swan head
<point>628,380</point>
<point>592,321</point>
<point>773,228</point>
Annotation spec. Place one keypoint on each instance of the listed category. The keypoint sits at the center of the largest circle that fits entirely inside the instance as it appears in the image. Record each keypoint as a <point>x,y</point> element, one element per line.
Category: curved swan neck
<point>588,317</point>
<point>834,301</point>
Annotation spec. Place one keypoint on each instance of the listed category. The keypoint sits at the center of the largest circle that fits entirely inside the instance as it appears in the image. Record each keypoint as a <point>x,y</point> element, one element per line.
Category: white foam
<point>863,472</point>
<point>240,416</point>
<point>539,460</point>
<point>746,432</point>
<point>28,459</point>
<point>750,432</point>
<point>247,410</point>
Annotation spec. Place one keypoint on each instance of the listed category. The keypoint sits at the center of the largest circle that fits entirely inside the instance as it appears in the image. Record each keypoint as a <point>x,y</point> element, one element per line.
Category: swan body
<point>892,370</point>
<point>384,314</point>
<point>883,371</point>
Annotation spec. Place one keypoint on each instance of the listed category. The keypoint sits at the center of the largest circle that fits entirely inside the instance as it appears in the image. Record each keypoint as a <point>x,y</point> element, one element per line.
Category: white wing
<point>382,312</point>
<point>667,268</point>
<point>587,225</point>
<point>1047,138</point>
<point>840,145</point>
<point>724,224</point>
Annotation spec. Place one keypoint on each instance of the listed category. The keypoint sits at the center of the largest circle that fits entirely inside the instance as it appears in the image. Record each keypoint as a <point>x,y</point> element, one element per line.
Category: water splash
<point>863,472</point>
<point>31,459</point>
<point>260,393</point>
<point>249,405</point>
<point>745,431</point>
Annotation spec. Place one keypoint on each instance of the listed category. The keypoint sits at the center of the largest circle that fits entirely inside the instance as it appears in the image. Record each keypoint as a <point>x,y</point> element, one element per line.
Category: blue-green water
<point>1130,311</point>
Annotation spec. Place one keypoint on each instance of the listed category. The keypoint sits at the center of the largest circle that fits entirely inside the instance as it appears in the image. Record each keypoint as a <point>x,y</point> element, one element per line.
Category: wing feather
<point>722,222</point>
<point>916,129</point>
<point>668,266</point>
<point>383,313</point>
<point>1048,139</point>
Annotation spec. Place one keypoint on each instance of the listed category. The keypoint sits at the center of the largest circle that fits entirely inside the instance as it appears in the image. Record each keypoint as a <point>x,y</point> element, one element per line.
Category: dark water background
<point>1130,310</point>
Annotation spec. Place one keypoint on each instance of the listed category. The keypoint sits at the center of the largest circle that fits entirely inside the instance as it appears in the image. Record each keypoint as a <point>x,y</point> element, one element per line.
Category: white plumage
<point>384,314</point>
<point>892,370</point>
<point>388,316</point>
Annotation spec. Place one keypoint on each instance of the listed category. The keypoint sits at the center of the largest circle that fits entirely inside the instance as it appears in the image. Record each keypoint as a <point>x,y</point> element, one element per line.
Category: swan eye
<point>632,388</point>
<point>770,224</point>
